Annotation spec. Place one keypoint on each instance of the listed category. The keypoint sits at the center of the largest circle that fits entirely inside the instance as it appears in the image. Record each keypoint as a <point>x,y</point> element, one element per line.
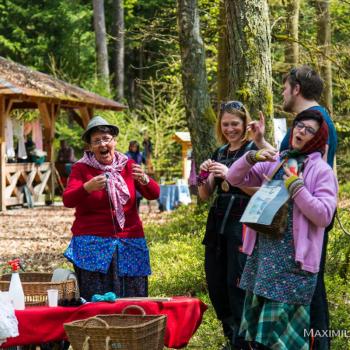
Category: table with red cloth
<point>43,324</point>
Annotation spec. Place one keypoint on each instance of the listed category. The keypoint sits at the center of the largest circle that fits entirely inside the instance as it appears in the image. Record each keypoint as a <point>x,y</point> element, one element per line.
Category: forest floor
<point>38,236</point>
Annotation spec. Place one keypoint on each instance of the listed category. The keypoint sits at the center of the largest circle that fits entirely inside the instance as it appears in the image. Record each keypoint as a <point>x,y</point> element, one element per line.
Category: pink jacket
<point>313,210</point>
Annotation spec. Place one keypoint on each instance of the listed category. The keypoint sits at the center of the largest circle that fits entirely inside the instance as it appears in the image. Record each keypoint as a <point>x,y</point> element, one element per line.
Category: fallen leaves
<point>37,236</point>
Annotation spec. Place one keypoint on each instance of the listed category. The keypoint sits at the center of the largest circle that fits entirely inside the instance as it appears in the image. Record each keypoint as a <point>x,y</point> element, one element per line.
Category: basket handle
<point>87,321</point>
<point>137,307</point>
<point>108,339</point>
<point>86,345</point>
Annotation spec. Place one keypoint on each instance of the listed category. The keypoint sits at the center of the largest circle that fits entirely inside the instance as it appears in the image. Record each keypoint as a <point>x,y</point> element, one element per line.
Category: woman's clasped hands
<point>215,168</point>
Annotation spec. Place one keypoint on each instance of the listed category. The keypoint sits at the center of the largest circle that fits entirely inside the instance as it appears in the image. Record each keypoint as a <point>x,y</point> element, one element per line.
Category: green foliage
<point>176,250</point>
<point>68,130</point>
<point>162,115</point>
<point>52,33</point>
<point>338,274</point>
<point>339,245</point>
<point>344,190</point>
<point>343,166</point>
<point>339,303</point>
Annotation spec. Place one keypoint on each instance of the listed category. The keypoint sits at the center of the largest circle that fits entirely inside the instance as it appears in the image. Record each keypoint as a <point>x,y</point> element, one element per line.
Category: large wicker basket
<point>36,284</point>
<point>117,331</point>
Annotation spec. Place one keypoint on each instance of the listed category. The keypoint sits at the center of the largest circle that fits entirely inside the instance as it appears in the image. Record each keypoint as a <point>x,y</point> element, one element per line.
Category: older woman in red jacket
<point>108,248</point>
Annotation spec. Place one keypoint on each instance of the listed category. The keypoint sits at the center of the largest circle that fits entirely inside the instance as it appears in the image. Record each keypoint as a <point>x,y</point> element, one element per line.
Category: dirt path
<point>39,236</point>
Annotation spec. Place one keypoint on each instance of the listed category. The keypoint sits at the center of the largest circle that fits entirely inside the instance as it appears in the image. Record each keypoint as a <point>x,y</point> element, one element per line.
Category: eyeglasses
<point>232,105</point>
<point>308,129</point>
<point>106,140</point>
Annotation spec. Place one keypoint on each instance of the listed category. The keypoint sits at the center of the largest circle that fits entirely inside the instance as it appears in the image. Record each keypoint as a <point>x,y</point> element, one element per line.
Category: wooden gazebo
<point>23,88</point>
<point>184,138</point>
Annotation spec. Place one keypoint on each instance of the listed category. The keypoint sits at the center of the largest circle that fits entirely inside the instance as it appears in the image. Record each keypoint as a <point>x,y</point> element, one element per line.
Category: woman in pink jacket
<point>280,273</point>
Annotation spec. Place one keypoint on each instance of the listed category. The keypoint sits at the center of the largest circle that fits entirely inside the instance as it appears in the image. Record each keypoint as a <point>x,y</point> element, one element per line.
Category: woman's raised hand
<point>139,175</point>
<point>97,183</point>
<point>256,129</point>
<point>265,155</point>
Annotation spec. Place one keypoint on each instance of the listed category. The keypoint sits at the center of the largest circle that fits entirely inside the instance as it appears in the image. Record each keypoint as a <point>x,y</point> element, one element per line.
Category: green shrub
<point>338,274</point>
<point>177,253</point>
<point>339,305</point>
<point>177,258</point>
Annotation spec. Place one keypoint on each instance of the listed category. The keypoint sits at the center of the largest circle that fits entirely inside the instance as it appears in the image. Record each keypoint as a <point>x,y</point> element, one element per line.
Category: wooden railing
<point>35,177</point>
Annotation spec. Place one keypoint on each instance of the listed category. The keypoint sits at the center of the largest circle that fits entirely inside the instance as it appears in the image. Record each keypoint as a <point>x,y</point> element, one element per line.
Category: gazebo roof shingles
<point>29,87</point>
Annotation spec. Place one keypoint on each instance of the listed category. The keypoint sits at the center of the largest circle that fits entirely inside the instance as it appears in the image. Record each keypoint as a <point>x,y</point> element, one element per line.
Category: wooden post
<point>184,159</point>
<point>86,114</point>
<point>5,108</point>
<point>2,154</point>
<point>49,114</point>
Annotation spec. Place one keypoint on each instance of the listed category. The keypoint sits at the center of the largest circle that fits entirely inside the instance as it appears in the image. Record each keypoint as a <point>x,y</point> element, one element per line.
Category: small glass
<point>52,297</point>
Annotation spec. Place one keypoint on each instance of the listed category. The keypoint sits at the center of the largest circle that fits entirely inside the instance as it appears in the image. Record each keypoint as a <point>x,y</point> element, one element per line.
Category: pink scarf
<point>117,189</point>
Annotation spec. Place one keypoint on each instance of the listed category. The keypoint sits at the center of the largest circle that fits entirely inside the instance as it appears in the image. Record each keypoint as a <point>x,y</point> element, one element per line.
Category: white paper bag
<point>8,320</point>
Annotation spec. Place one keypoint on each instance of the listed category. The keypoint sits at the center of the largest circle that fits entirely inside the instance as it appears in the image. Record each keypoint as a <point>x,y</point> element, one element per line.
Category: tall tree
<point>101,42</point>
<point>119,30</point>
<point>223,62</point>
<point>291,53</point>
<point>249,41</point>
<point>324,43</point>
<point>199,113</point>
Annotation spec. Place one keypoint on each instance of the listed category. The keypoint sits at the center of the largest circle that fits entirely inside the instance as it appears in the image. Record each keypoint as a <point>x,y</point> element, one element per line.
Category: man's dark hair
<point>310,82</point>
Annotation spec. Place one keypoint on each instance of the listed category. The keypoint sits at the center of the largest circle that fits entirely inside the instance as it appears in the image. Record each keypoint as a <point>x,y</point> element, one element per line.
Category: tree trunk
<point>291,53</point>
<point>324,43</point>
<point>199,113</point>
<point>118,31</point>
<point>223,64</point>
<point>101,42</point>
<point>249,40</point>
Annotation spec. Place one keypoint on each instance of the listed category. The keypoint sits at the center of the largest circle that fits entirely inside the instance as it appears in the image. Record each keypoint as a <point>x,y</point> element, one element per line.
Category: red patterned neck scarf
<point>117,189</point>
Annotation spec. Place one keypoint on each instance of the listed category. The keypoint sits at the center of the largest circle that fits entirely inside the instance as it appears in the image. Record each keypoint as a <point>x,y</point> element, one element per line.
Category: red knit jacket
<point>93,215</point>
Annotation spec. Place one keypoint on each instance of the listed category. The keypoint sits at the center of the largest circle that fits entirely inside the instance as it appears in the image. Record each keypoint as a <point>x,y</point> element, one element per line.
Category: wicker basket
<point>36,284</point>
<point>118,331</point>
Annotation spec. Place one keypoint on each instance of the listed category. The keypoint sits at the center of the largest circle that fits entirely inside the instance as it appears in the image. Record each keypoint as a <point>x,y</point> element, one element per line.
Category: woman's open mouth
<point>104,153</point>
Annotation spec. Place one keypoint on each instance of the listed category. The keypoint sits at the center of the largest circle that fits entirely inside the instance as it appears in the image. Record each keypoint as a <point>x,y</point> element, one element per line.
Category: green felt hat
<point>95,122</point>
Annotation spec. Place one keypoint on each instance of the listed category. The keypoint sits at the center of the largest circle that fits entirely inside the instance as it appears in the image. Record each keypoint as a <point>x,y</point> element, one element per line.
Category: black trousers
<point>223,268</point>
<point>319,313</point>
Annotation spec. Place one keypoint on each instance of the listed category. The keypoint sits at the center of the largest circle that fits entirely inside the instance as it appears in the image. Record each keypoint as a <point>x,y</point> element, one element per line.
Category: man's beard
<point>288,106</point>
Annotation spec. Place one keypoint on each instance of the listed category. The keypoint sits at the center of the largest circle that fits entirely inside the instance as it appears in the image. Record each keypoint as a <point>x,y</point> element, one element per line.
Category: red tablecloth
<point>44,324</point>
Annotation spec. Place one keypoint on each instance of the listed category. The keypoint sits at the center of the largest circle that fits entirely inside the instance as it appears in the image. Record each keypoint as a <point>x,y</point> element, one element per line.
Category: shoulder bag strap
<point>278,166</point>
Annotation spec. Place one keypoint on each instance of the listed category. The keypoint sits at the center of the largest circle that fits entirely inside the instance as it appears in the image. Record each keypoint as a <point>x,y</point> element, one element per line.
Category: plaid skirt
<point>276,325</point>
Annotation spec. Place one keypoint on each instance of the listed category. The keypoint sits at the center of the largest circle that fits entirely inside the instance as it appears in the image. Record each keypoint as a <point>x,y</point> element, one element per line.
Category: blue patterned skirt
<point>93,282</point>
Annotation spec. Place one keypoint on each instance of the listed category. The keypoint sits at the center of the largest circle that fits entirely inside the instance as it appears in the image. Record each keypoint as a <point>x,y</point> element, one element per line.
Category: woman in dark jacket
<point>224,261</point>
